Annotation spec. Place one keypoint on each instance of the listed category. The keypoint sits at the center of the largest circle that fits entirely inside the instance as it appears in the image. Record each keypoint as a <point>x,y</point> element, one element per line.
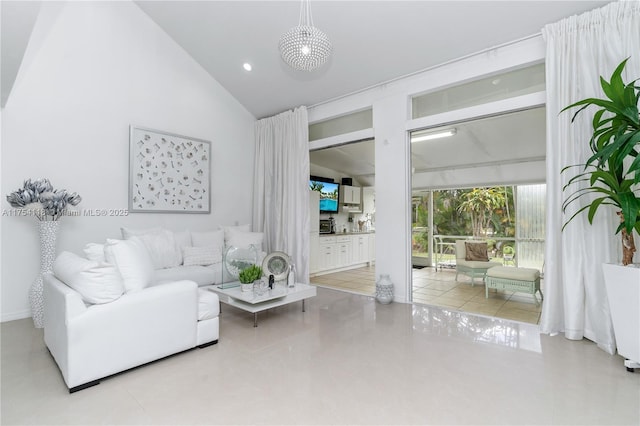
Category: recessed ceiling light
<point>247,66</point>
<point>436,135</point>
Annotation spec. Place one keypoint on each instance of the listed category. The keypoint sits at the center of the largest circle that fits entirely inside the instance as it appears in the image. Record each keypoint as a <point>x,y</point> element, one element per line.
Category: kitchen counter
<point>337,234</point>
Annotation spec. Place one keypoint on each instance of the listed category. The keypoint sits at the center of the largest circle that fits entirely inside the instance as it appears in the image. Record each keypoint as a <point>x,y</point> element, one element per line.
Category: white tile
<point>346,360</point>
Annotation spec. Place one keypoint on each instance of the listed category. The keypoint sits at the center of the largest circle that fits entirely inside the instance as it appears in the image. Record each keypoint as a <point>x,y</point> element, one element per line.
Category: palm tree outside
<point>484,213</point>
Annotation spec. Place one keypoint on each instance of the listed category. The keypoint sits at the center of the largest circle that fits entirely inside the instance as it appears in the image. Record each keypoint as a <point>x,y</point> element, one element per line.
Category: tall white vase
<point>48,237</point>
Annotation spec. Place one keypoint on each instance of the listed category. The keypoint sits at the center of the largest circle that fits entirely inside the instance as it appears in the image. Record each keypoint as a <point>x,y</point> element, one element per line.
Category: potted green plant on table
<point>508,254</point>
<point>248,275</point>
<point>612,174</point>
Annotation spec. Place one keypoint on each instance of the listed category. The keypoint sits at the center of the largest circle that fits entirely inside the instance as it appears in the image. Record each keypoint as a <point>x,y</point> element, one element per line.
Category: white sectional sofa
<point>91,342</point>
<point>133,301</point>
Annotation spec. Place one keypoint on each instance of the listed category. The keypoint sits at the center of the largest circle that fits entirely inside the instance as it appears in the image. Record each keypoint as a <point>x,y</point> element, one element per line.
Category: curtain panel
<point>281,186</point>
<point>580,49</point>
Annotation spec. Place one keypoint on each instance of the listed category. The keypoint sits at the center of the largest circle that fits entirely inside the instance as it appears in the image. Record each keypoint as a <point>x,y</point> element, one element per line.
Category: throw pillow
<point>245,239</point>
<point>160,243</point>
<point>95,252</point>
<point>204,256</point>
<point>476,251</point>
<point>226,229</point>
<point>132,260</point>
<point>97,282</point>
<point>162,248</point>
<point>183,239</point>
<point>208,239</point>
<point>128,232</point>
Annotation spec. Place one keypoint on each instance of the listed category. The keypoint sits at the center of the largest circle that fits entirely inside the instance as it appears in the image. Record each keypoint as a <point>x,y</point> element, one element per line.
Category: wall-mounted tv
<point>329,194</point>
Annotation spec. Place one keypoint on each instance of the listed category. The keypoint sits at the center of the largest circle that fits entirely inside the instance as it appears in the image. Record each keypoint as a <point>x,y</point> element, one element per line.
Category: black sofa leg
<point>213,342</point>
<point>86,385</point>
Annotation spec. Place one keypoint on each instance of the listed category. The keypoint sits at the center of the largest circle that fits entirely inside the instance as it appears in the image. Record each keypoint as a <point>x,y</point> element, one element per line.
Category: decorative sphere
<point>305,47</point>
<point>238,258</point>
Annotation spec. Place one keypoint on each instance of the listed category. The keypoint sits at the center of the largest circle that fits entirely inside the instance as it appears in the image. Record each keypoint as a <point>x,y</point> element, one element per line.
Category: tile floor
<point>347,360</point>
<point>440,288</point>
<point>359,281</point>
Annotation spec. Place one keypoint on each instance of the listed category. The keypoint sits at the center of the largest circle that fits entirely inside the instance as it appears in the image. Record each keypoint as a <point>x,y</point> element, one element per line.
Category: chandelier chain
<point>305,14</point>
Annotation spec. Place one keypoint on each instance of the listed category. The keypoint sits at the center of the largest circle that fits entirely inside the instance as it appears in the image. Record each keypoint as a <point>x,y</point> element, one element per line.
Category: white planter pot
<point>623,291</point>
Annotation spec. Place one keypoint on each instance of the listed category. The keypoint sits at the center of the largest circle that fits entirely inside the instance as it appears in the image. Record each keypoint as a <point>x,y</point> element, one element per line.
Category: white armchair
<point>473,262</point>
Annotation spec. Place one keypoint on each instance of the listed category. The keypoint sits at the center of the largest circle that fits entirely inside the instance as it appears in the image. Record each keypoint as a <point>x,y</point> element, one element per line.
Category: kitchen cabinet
<point>327,253</point>
<point>341,252</point>
<point>368,200</point>
<point>360,248</point>
<point>350,194</point>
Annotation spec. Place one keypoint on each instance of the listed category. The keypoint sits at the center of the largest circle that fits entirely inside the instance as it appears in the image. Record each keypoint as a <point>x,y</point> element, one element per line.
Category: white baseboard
<point>12,316</point>
<point>341,269</point>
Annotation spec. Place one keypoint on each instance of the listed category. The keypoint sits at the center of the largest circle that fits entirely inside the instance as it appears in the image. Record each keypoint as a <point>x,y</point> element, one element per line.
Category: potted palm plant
<point>612,174</point>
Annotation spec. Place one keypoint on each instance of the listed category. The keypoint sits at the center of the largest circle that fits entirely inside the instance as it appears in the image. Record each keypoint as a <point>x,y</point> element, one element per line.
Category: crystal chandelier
<point>305,47</point>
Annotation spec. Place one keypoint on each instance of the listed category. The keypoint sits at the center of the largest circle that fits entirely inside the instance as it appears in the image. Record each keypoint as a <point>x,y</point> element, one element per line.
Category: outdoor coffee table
<point>230,294</point>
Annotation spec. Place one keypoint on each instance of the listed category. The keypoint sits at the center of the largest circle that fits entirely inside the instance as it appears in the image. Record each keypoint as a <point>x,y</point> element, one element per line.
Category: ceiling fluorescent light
<point>437,135</point>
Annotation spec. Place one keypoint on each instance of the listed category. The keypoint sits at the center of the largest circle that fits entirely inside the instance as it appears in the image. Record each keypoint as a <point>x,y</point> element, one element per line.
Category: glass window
<point>502,86</point>
<point>340,125</point>
<point>510,218</point>
<point>530,218</point>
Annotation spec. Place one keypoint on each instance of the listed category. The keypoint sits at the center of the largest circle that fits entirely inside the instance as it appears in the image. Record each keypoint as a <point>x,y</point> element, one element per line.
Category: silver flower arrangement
<point>39,197</point>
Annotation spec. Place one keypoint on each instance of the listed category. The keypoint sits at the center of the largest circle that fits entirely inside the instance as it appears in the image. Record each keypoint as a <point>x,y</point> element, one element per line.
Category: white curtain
<point>281,186</point>
<point>579,50</point>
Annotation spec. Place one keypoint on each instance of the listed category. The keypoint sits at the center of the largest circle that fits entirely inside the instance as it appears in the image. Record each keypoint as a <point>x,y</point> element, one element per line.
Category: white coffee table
<point>250,302</point>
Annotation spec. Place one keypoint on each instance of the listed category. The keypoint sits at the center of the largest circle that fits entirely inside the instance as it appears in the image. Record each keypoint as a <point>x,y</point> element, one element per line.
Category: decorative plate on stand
<point>276,264</point>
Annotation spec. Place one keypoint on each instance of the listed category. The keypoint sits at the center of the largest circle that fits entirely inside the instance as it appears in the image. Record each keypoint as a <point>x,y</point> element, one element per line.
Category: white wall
<point>91,70</point>
<point>392,121</point>
<point>392,172</point>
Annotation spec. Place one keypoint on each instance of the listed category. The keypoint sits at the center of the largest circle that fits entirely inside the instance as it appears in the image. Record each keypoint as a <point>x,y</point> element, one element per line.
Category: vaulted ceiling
<point>373,41</point>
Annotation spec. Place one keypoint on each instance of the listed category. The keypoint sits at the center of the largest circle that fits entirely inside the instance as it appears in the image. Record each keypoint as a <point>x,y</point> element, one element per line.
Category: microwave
<point>327,226</point>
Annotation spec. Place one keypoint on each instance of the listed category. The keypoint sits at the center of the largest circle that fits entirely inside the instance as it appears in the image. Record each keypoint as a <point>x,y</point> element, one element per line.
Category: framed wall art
<point>168,173</point>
